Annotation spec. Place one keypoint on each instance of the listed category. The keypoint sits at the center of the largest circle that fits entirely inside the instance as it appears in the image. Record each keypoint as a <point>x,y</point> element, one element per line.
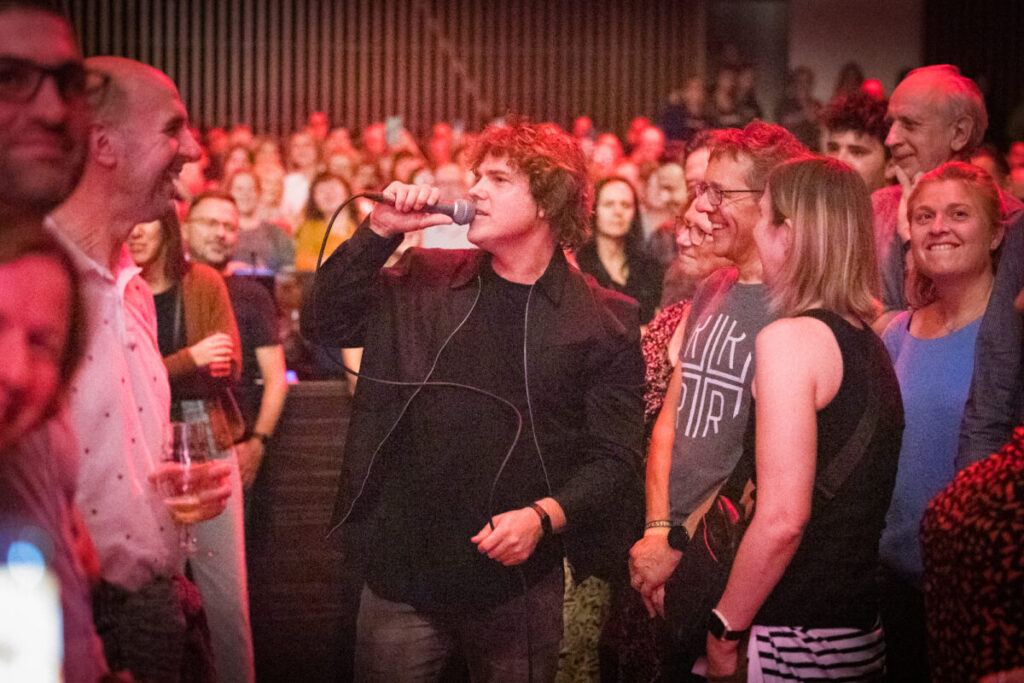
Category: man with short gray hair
<point>937,115</point>
<point>120,399</point>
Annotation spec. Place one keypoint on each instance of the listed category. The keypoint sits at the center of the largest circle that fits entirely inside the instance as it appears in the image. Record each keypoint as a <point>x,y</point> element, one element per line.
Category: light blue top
<point>934,376</point>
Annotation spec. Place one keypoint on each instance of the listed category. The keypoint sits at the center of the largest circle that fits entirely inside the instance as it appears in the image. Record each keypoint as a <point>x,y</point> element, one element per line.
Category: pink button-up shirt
<point>120,405</point>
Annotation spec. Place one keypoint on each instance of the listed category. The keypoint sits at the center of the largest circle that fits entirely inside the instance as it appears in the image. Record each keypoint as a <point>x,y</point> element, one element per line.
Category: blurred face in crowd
<point>694,95</point>
<point>43,116</point>
<point>694,168</point>
<point>582,127</point>
<point>651,145</point>
<point>733,219</point>
<point>145,244</point>
<point>614,210</point>
<point>267,153</point>
<point>318,125</point>
<point>236,160</point>
<point>340,164</point>
<point>950,234</point>
<point>328,195</point>
<point>631,172</point>
<point>985,161</point>
<point>671,184</point>
<point>211,232</point>
<point>302,151</point>
<point>862,151</point>
<point>245,190</point>
<point>375,139</point>
<point>34,314</point>
<point>240,136</point>
<point>271,185</point>
<point>1016,156</point>
<point>923,134</point>
<point>697,261</point>
<point>216,141</point>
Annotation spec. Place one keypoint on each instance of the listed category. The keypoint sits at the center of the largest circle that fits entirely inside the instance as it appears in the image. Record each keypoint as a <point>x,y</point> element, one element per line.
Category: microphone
<point>461,211</point>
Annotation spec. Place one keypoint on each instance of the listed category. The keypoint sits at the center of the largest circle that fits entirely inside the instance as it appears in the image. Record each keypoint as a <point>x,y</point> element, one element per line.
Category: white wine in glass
<point>187,457</point>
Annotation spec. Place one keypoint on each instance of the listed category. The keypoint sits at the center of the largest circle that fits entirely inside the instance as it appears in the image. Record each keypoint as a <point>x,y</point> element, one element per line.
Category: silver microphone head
<point>463,211</point>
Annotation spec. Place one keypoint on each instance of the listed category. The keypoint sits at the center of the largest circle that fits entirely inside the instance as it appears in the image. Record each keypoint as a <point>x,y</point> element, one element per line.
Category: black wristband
<point>678,537</point>
<point>545,521</point>
<point>264,438</point>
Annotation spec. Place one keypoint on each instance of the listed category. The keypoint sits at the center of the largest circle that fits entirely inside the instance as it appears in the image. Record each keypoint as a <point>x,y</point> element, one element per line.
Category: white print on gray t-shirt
<point>714,376</point>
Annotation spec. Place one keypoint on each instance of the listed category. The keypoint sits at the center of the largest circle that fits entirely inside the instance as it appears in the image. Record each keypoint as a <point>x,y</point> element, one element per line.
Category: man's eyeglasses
<point>20,80</point>
<point>213,224</point>
<point>716,194</point>
<point>696,234</point>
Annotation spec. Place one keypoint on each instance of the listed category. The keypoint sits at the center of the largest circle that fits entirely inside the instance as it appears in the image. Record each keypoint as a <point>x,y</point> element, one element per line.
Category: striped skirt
<point>780,653</point>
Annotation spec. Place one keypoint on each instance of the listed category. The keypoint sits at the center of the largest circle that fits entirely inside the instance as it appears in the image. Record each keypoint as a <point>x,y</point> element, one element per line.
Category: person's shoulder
<point>669,316</point>
<point>203,274</point>
<point>886,198</point>
<point>243,288</point>
<point>896,328</point>
<point>794,335</point>
<point>1013,209</point>
<point>714,286</point>
<point>437,265</point>
<point>620,309</point>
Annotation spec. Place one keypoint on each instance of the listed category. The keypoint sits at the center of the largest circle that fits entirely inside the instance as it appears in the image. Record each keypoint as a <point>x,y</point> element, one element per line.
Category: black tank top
<point>830,580</point>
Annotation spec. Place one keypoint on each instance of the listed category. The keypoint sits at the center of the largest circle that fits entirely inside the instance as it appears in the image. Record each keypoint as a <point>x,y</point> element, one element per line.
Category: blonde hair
<point>831,262</point>
<point>920,288</point>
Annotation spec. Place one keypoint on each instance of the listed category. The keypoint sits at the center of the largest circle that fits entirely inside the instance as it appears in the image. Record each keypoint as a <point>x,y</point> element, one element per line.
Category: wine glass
<point>186,458</point>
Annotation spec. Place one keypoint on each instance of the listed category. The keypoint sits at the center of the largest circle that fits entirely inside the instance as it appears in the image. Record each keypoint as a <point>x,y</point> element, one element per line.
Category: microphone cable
<point>427,382</point>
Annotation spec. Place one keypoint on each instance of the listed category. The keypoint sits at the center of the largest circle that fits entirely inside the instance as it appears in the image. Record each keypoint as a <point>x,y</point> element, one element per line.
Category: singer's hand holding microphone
<point>405,208</point>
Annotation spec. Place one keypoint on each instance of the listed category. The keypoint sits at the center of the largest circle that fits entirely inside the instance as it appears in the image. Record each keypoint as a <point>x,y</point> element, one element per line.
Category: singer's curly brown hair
<point>554,164</point>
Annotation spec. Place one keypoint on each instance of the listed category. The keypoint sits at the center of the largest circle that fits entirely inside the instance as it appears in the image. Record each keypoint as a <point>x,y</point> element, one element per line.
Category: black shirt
<point>642,284</point>
<point>256,315</point>
<point>829,583</point>
<point>170,320</point>
<point>447,467</point>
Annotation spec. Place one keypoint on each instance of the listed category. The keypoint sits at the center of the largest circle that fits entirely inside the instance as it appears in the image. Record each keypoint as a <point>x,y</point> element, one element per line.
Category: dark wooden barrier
<point>303,595</point>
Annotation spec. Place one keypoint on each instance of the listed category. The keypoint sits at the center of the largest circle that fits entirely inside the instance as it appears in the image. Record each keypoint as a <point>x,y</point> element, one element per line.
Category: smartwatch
<point>719,627</point>
<point>678,538</point>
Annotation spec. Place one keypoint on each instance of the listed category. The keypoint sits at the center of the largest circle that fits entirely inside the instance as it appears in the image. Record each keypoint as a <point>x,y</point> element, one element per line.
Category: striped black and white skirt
<point>781,653</point>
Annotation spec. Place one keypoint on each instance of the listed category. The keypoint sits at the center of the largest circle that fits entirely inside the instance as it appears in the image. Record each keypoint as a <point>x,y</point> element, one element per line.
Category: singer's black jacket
<point>585,367</point>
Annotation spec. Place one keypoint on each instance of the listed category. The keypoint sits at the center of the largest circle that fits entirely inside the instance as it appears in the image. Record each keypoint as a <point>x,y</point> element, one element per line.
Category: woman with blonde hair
<point>955,220</point>
<point>828,424</point>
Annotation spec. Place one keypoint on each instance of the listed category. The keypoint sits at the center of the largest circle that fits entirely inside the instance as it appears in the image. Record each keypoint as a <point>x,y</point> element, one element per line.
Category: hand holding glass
<point>195,487</point>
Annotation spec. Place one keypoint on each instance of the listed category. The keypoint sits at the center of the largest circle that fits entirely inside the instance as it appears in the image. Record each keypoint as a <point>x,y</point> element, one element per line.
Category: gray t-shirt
<point>266,246</point>
<point>717,361</point>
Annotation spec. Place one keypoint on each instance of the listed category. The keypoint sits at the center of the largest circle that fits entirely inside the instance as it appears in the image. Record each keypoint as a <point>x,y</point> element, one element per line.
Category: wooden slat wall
<point>270,62</point>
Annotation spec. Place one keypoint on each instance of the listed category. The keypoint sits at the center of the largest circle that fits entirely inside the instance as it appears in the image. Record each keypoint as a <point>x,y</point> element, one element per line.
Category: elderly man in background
<point>937,115</point>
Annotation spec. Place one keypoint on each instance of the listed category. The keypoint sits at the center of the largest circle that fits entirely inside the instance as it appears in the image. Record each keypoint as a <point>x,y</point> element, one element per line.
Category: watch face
<point>715,626</point>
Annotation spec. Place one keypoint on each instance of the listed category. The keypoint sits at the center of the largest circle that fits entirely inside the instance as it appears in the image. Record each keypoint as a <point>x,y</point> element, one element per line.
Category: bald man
<point>937,115</point>
<point>120,399</point>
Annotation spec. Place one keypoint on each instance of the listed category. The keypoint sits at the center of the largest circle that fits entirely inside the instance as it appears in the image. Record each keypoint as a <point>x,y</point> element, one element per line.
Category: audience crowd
<point>150,271</point>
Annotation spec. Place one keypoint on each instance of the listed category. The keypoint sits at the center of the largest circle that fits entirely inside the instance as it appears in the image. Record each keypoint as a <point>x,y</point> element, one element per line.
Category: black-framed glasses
<point>20,80</point>
<point>695,232</point>
<point>716,194</point>
<point>213,223</point>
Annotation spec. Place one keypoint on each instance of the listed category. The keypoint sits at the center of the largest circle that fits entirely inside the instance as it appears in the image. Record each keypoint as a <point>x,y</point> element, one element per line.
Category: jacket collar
<point>551,283</point>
